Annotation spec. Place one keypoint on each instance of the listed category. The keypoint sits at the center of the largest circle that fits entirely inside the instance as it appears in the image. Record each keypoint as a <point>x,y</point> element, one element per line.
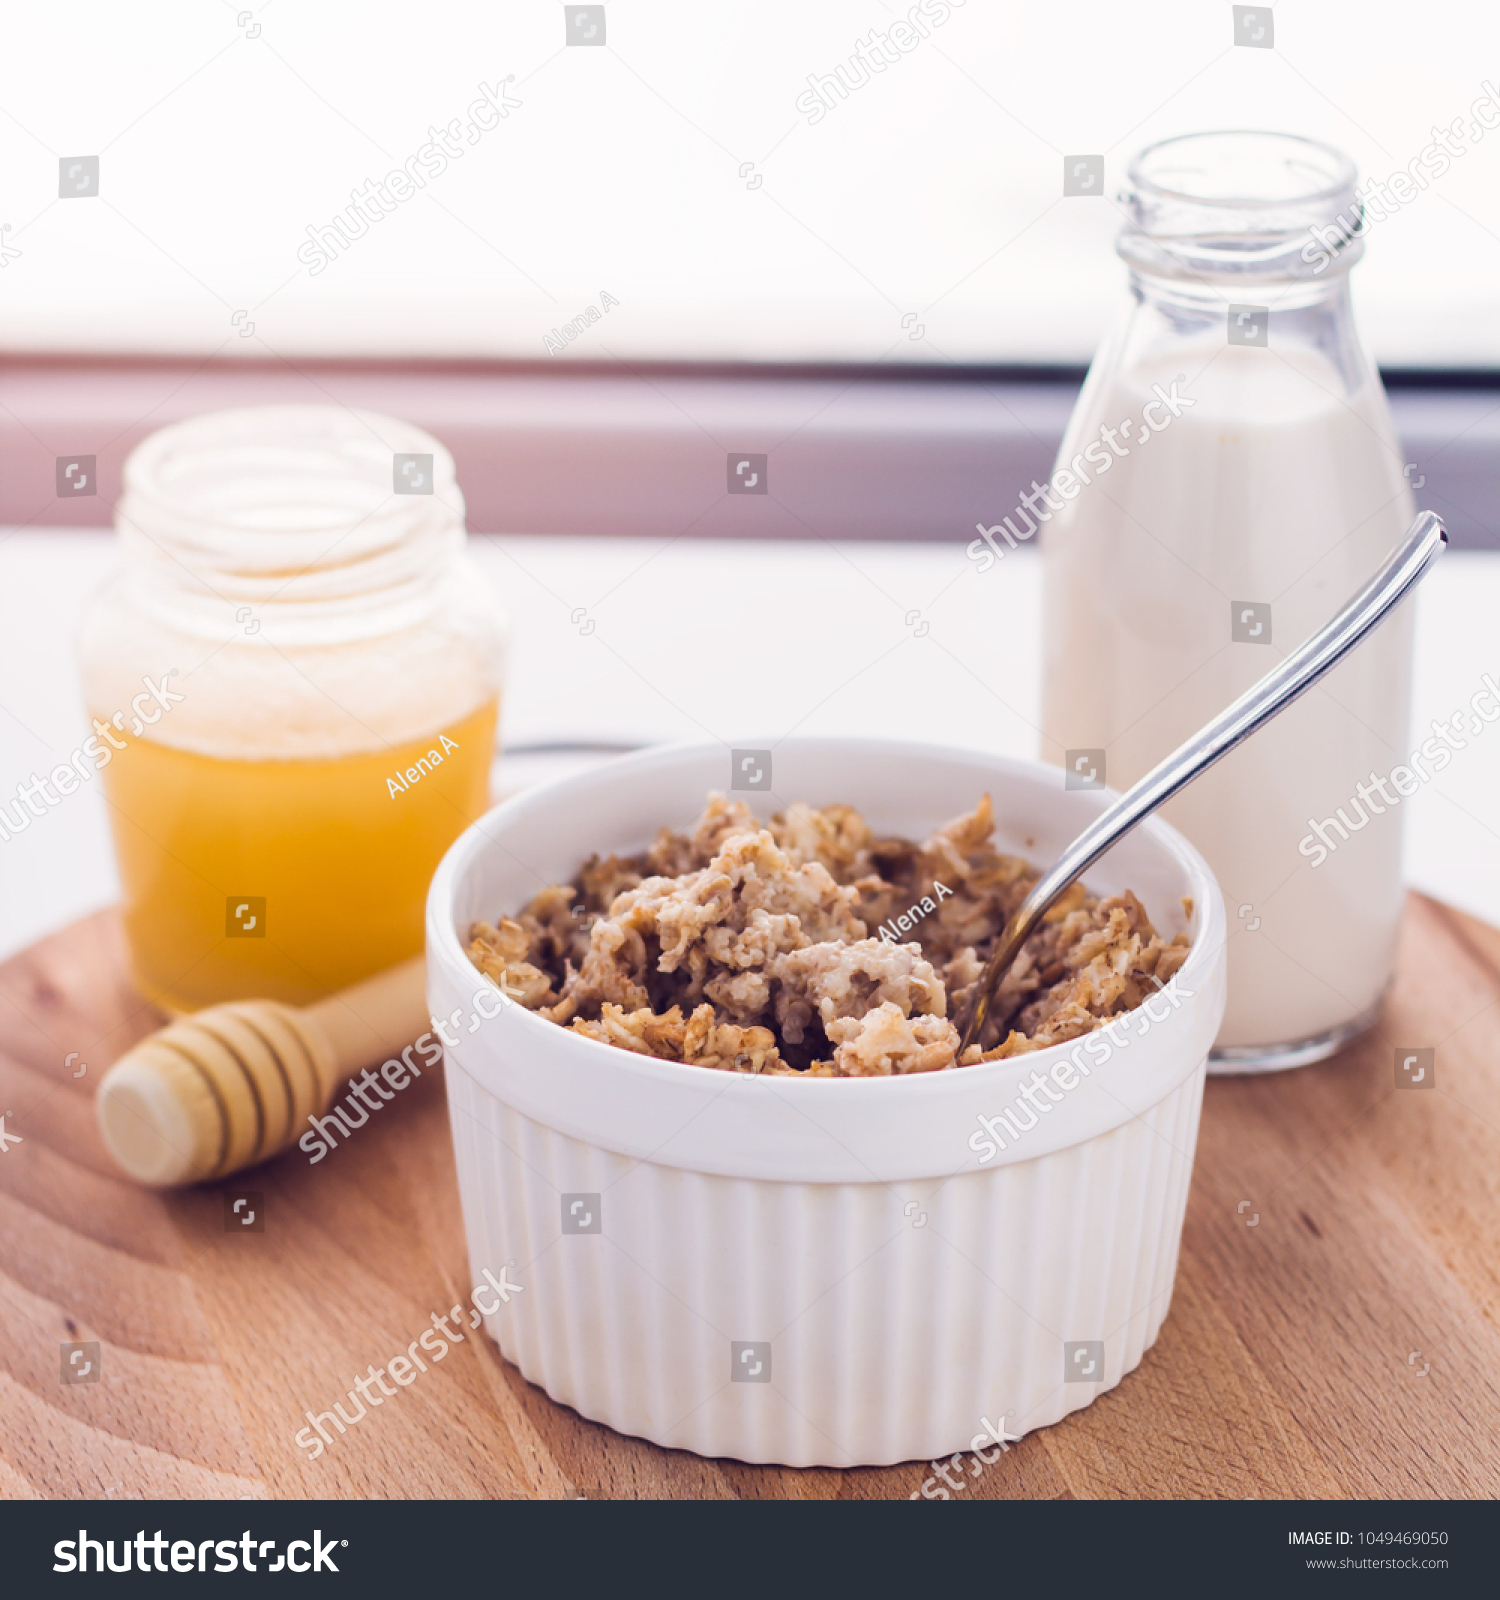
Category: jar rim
<point>300,508</point>
<point>1340,170</point>
<point>216,476</point>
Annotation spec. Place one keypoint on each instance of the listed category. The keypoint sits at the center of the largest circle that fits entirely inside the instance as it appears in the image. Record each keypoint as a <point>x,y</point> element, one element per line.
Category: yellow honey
<point>329,859</point>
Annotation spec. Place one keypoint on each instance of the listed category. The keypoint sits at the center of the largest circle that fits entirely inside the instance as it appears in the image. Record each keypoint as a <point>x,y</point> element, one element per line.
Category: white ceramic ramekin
<point>816,1271</point>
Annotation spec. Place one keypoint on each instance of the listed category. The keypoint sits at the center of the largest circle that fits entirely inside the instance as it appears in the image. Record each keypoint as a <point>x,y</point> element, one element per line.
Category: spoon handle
<point>1424,541</point>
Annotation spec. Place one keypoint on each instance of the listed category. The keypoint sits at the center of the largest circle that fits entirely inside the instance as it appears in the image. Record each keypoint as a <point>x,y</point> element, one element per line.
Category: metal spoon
<point>1424,541</point>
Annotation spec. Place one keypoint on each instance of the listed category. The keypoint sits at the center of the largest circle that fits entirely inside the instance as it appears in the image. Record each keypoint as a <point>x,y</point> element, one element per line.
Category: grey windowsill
<point>851,454</point>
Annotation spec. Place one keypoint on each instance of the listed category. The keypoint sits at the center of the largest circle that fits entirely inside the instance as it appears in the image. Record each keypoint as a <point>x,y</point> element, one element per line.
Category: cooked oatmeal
<point>812,946</point>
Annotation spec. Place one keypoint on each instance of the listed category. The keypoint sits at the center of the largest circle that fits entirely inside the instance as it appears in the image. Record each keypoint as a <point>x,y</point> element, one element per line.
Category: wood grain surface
<point>1335,1329</point>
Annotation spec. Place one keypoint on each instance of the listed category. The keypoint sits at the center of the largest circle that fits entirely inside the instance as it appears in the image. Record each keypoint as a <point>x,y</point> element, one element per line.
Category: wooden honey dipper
<point>234,1084</point>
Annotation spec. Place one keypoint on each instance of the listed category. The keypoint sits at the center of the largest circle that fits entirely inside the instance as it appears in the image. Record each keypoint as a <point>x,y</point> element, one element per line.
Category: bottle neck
<point>1204,323</point>
<point>1245,239</point>
<point>1212,294</point>
<point>1280,248</point>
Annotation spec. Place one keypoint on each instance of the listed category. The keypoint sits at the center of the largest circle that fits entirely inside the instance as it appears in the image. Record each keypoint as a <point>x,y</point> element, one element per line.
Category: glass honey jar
<point>296,582</point>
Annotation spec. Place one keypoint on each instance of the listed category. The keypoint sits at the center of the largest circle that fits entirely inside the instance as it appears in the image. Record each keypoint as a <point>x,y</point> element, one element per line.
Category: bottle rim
<point>1242,204</point>
<point>1340,183</point>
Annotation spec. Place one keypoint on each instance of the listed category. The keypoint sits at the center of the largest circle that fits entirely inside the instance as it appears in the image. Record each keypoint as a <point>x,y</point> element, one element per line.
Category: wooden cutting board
<point>1335,1329</point>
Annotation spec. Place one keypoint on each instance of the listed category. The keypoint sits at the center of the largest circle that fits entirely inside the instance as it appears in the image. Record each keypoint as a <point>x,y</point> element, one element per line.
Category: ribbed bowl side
<point>897,1316</point>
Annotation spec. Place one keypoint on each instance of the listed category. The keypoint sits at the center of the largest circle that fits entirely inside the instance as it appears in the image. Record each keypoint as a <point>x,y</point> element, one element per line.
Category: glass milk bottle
<point>295,584</point>
<point>1234,477</point>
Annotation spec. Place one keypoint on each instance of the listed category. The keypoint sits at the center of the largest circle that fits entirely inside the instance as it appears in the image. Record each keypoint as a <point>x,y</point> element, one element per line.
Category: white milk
<point>1275,486</point>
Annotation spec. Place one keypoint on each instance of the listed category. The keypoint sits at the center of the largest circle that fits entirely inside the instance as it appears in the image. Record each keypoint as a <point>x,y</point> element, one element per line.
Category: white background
<point>935,189</point>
